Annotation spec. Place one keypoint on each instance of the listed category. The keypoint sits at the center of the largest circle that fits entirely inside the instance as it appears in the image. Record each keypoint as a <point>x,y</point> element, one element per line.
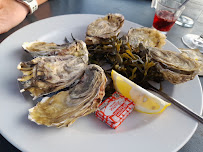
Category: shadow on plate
<point>25,121</point>
<point>133,122</point>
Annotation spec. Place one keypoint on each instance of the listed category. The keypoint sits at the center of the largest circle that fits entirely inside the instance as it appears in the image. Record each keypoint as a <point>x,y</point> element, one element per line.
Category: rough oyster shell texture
<point>196,55</point>
<point>44,75</point>
<point>147,36</point>
<point>47,74</point>
<point>66,68</point>
<point>175,67</point>
<point>37,48</point>
<point>65,107</point>
<point>104,28</point>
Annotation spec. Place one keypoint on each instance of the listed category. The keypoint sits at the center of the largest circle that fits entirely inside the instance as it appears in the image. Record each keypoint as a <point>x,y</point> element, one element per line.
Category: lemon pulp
<point>144,100</point>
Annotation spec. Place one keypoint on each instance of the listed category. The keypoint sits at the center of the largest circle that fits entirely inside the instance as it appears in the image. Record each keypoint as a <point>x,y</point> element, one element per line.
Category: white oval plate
<point>166,132</point>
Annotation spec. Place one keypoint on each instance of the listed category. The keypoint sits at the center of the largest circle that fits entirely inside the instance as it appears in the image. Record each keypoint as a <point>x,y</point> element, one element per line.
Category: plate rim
<point>15,144</point>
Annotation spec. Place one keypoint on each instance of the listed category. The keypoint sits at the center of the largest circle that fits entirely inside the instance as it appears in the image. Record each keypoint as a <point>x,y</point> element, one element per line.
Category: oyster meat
<point>147,36</point>
<point>175,67</point>
<point>65,107</point>
<point>104,28</point>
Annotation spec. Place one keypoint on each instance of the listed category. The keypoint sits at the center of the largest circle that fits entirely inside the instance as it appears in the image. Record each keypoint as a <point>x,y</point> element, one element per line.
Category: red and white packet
<point>114,110</point>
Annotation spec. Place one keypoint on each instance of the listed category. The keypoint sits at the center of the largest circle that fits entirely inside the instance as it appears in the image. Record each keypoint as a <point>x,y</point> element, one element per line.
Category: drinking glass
<point>166,13</point>
<point>193,41</point>
<point>184,21</point>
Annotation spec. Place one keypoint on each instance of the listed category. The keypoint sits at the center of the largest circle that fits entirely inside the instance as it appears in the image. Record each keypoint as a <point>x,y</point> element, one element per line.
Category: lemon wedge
<point>145,101</point>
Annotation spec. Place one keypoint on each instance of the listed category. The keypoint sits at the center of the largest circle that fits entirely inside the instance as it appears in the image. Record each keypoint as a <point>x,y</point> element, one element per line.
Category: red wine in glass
<point>164,20</point>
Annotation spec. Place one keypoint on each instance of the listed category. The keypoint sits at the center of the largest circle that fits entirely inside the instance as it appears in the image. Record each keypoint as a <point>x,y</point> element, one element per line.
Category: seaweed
<point>115,53</point>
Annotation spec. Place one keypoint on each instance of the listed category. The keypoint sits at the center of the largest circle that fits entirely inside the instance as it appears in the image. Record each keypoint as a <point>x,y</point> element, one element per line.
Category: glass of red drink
<point>167,12</point>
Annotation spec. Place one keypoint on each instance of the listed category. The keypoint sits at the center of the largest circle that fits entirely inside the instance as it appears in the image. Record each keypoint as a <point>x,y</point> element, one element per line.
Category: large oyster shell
<point>47,74</point>
<point>104,28</point>
<point>44,75</point>
<point>65,107</point>
<point>175,67</point>
<point>147,36</point>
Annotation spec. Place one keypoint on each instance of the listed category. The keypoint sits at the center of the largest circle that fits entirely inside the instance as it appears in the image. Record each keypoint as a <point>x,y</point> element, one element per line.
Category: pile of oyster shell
<point>175,67</point>
<point>79,88</point>
<point>55,68</point>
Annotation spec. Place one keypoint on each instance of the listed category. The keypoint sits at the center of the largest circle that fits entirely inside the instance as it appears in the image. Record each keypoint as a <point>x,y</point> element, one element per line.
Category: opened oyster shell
<point>175,67</point>
<point>37,48</point>
<point>147,36</point>
<point>104,28</point>
<point>65,107</point>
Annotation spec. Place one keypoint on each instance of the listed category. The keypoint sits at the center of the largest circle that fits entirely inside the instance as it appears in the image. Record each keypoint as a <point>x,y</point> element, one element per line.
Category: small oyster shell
<point>147,36</point>
<point>104,28</point>
<point>175,67</point>
<point>196,55</point>
<point>36,48</point>
<point>65,107</point>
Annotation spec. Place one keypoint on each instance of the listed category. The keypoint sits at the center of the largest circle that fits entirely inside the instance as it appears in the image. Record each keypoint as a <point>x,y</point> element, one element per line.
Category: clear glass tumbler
<point>166,13</point>
<point>193,41</point>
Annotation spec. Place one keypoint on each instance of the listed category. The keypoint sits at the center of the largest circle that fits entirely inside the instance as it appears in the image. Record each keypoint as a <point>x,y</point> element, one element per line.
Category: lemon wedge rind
<point>152,112</point>
<point>145,101</point>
